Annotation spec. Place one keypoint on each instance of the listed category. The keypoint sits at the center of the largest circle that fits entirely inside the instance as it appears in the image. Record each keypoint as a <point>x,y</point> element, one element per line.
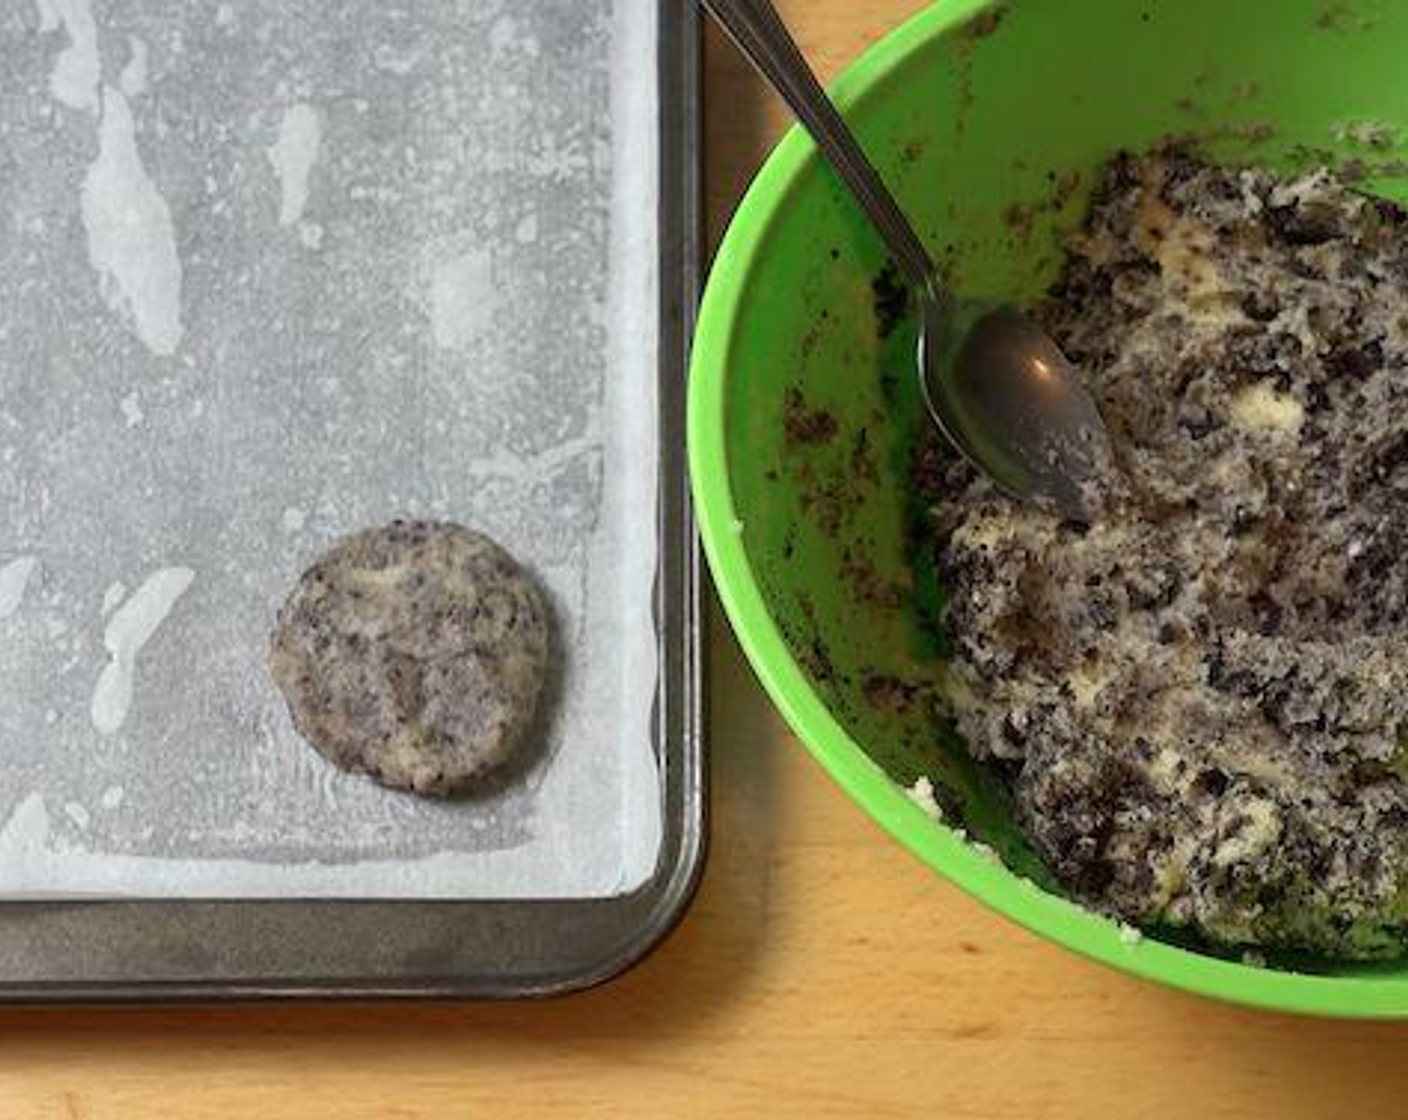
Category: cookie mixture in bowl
<point>1200,702</point>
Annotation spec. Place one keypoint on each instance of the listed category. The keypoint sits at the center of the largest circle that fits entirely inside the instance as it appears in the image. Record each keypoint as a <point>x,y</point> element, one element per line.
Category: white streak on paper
<point>133,81</point>
<point>14,578</point>
<point>78,70</point>
<point>293,155</point>
<point>461,298</point>
<point>129,629</point>
<point>131,239</point>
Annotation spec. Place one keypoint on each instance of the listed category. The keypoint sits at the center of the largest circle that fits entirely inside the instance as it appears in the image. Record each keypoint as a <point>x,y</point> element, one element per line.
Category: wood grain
<point>823,972</point>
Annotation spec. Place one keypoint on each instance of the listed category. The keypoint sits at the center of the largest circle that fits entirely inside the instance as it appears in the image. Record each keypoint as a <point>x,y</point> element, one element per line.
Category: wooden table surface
<point>822,971</point>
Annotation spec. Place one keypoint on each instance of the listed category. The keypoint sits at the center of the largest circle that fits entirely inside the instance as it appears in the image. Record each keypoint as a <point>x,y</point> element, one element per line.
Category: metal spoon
<point>995,383</point>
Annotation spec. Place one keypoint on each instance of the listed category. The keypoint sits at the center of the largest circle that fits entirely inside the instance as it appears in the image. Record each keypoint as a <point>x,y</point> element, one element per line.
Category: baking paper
<point>270,273</point>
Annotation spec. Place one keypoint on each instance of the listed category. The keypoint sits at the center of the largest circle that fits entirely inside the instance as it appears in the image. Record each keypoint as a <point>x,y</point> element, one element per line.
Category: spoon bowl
<point>1005,396</point>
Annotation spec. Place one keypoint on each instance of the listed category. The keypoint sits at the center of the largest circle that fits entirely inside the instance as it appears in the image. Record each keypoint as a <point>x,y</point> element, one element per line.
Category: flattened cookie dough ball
<point>415,653</point>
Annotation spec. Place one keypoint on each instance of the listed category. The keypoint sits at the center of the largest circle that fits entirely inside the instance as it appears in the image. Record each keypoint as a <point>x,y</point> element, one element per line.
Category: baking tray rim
<point>562,946</point>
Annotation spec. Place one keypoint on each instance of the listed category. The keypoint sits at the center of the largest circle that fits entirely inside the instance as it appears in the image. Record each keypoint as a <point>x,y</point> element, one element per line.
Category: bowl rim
<point>763,209</point>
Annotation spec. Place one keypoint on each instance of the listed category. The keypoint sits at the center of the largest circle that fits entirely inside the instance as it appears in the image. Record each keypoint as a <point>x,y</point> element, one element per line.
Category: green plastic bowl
<point>990,123</point>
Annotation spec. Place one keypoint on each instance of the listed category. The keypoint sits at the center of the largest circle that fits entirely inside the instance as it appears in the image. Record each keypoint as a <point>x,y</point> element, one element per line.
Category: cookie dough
<point>415,653</point>
<point>1200,703</point>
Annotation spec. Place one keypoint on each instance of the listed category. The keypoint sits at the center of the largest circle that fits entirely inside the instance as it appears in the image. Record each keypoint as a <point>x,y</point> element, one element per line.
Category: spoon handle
<point>758,31</point>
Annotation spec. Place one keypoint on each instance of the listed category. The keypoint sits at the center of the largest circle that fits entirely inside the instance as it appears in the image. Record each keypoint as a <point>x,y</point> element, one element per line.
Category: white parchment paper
<point>269,273</point>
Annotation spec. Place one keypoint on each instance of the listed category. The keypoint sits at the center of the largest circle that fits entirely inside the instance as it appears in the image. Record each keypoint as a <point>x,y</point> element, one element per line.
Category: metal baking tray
<point>115,950</point>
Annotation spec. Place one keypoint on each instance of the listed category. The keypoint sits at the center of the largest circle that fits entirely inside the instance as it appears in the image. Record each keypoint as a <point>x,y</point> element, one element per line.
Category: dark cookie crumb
<point>805,425</point>
<point>984,23</point>
<point>892,300</point>
<point>863,465</point>
<point>890,694</point>
<point>865,583</point>
<point>828,498</point>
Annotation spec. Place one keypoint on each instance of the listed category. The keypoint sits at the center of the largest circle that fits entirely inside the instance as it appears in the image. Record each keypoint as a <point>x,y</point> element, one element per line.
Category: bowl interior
<point>990,123</point>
